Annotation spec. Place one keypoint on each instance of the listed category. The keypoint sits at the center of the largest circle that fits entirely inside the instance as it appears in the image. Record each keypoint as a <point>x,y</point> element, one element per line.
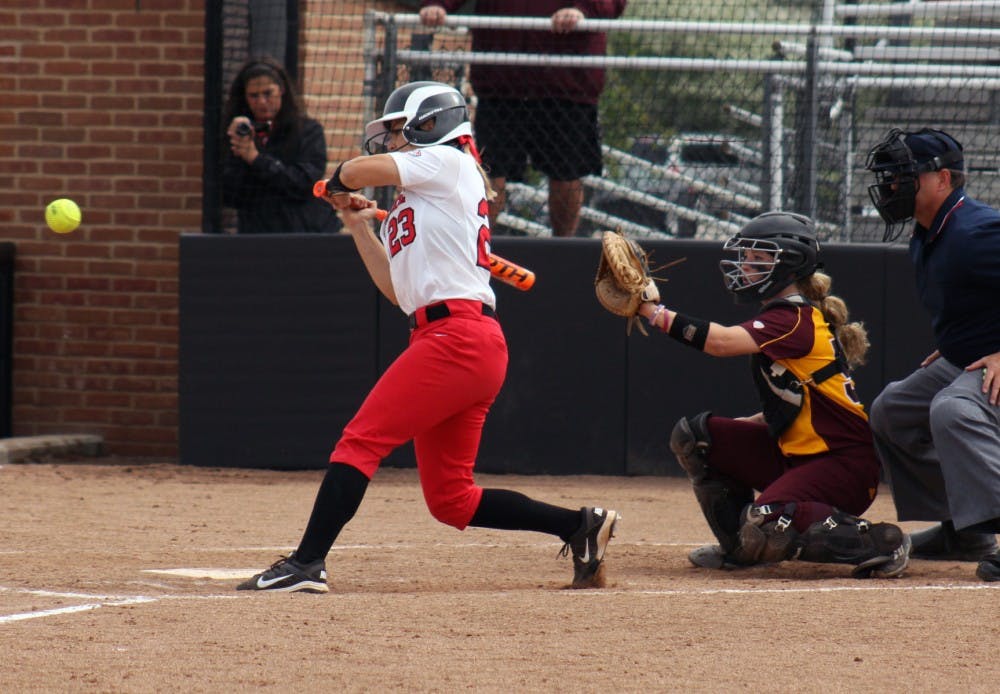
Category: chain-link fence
<point>702,113</point>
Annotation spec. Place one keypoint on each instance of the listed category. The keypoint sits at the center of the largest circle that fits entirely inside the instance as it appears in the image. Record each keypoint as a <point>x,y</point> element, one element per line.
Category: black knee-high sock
<point>337,501</point>
<point>503,509</point>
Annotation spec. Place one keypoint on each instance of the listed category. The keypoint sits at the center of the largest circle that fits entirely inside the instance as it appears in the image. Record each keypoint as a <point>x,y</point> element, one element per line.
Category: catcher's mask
<point>418,103</point>
<point>897,162</point>
<point>788,239</point>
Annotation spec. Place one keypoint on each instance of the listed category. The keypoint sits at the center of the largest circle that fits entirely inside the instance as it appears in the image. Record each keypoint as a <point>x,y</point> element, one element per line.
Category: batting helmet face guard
<point>773,250</point>
<point>897,162</point>
<point>416,104</point>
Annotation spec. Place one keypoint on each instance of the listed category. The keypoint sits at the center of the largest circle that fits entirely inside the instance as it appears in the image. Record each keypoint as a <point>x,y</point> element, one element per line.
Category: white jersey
<point>437,232</point>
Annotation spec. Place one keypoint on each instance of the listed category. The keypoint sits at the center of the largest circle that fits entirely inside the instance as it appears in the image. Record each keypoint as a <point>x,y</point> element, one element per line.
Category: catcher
<point>809,452</point>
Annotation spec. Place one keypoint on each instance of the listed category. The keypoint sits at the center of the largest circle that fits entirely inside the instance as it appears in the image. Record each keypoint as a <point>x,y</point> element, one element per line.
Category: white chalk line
<point>102,601</point>
<point>119,601</point>
<point>225,574</point>
<point>882,586</point>
<point>69,610</point>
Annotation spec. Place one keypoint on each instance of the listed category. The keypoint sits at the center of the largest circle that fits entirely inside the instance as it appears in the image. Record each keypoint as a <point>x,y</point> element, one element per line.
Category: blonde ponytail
<point>853,337</point>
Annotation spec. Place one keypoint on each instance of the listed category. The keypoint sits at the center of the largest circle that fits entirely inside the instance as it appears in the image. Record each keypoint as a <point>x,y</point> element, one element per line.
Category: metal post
<point>846,122</point>
<point>211,195</point>
<point>826,18</point>
<point>805,165</point>
<point>382,73</point>
<point>371,60</point>
<point>772,148</point>
<point>767,144</point>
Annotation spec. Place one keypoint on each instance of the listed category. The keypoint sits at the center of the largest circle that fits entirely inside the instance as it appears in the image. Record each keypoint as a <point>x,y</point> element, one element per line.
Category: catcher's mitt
<point>623,281</point>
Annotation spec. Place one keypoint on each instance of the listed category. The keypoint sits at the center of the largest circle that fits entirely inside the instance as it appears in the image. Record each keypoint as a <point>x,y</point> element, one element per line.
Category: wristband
<point>335,185</point>
<point>657,312</point>
<point>690,331</point>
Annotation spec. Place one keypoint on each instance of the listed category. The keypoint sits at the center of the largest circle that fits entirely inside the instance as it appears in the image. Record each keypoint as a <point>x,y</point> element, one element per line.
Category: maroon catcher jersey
<point>798,349</point>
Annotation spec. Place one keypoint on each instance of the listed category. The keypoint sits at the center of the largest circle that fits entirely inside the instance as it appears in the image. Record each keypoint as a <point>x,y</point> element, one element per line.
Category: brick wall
<point>103,104</point>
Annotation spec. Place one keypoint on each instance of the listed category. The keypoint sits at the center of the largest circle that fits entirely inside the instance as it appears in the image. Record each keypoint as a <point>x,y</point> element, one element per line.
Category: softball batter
<point>431,259</point>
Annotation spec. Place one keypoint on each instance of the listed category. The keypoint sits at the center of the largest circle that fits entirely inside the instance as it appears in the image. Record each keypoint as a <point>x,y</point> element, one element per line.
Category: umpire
<point>938,430</point>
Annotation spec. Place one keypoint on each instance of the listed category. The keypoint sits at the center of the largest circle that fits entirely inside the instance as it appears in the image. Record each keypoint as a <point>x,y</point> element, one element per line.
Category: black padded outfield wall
<point>281,337</point>
<point>278,346</point>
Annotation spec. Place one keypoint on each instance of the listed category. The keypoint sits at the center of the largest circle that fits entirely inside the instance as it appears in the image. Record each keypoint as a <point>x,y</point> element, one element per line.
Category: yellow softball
<point>62,215</point>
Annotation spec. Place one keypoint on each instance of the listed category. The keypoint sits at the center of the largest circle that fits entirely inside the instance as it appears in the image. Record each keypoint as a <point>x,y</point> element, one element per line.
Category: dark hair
<point>292,111</point>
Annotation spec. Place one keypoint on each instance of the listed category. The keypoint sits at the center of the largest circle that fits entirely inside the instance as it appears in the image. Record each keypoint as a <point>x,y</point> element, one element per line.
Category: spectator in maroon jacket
<point>547,115</point>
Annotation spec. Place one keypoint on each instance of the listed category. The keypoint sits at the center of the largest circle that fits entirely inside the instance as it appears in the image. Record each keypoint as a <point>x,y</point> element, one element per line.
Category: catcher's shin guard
<point>876,549</point>
<point>722,502</point>
<point>766,535</point>
<point>721,498</point>
<point>690,442</point>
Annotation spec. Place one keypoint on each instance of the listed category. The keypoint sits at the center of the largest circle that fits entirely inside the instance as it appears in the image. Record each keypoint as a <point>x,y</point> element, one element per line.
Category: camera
<point>244,129</point>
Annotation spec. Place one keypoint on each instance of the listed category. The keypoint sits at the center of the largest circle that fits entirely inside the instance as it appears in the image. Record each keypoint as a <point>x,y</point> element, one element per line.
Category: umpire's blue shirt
<point>957,265</point>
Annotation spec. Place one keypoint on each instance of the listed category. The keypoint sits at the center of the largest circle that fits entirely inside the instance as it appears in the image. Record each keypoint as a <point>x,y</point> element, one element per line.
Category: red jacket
<point>532,82</point>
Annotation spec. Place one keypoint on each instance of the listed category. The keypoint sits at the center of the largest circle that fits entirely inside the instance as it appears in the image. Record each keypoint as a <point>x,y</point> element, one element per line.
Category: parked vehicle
<point>696,174</point>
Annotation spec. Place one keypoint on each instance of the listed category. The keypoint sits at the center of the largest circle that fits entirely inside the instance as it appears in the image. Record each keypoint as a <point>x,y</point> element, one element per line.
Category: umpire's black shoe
<point>989,568</point>
<point>588,545</point>
<point>943,543</point>
<point>287,575</point>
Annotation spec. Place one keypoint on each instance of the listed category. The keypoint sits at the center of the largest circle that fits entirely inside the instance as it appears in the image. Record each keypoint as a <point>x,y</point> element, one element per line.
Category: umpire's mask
<point>897,162</point>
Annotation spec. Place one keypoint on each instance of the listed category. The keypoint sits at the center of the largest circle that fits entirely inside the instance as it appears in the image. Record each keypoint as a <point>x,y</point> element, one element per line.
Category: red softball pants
<point>437,393</point>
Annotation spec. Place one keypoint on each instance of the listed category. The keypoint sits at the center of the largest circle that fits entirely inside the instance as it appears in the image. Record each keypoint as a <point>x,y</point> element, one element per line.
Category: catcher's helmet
<point>897,162</point>
<point>419,102</point>
<point>790,240</point>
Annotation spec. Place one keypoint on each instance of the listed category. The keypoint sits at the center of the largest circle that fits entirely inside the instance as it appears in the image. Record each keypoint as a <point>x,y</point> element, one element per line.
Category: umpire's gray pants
<point>939,439</point>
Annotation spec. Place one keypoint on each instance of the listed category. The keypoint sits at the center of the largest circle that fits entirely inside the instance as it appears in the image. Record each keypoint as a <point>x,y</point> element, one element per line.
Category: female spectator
<point>276,153</point>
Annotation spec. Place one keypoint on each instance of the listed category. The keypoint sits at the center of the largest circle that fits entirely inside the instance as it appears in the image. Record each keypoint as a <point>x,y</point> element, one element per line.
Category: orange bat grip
<point>513,274</point>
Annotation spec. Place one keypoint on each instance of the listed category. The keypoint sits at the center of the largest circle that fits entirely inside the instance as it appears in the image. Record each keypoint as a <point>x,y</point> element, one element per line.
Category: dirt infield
<point>120,578</point>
